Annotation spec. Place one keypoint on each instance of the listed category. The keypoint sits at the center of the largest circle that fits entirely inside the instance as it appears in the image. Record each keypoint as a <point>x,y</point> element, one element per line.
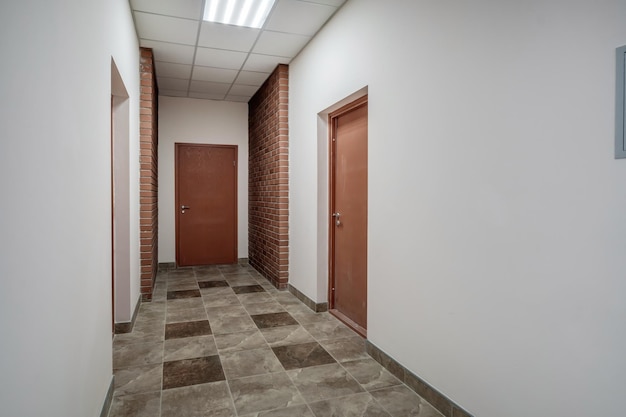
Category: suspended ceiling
<point>214,61</point>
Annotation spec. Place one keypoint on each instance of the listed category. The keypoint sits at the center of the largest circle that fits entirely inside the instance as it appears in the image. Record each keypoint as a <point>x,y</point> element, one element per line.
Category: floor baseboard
<point>317,307</point>
<point>442,403</point>
<point>106,407</point>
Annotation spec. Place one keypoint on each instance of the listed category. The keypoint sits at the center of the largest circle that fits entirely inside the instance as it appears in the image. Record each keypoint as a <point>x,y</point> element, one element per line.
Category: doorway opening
<point>348,214</point>
<point>120,200</point>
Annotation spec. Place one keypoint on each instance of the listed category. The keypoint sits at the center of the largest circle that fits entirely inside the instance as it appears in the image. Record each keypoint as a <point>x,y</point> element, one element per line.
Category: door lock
<point>183,208</point>
<point>337,221</point>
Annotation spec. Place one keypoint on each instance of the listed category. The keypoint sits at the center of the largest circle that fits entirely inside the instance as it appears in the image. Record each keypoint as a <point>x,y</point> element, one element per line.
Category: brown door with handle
<point>348,217</point>
<point>206,204</point>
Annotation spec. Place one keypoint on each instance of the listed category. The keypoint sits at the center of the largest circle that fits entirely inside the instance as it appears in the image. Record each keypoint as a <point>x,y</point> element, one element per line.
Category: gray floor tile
<point>346,349</point>
<point>323,382</point>
<point>240,280</point>
<point>152,334</point>
<point>286,298</point>
<point>159,296</point>
<point>400,401</point>
<point>232,269</point>
<point>248,289</point>
<point>213,284</point>
<point>192,372</point>
<point>136,405</point>
<point>184,304</point>
<point>206,269</point>
<point>232,342</point>
<point>220,300</point>
<point>264,321</point>
<point>138,379</point>
<point>302,355</point>
<point>327,330</point>
<point>286,335</point>
<point>223,325</point>
<point>216,291</point>
<point>190,314</point>
<point>210,276</point>
<point>370,374</point>
<point>189,347</point>
<point>358,405</point>
<point>151,308</point>
<point>180,275</point>
<point>180,294</point>
<point>187,329</point>
<point>250,362</point>
<point>264,393</point>
<point>183,286</point>
<point>180,279</point>
<point>227,311</point>
<point>203,400</point>
<point>150,322</point>
<point>264,308</point>
<point>306,315</point>
<point>295,411</point>
<point>255,298</point>
<point>137,354</point>
<point>300,312</point>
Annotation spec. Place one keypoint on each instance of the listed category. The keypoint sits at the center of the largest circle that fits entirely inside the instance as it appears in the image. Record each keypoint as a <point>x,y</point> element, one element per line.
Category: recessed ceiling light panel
<point>248,13</point>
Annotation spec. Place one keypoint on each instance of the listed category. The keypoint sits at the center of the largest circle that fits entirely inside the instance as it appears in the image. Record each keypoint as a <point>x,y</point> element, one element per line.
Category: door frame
<point>113,309</point>
<point>332,123</point>
<point>122,306</point>
<point>177,204</point>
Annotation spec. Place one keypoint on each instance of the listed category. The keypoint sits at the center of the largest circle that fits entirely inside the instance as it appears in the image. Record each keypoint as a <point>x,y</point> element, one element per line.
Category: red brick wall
<point>148,178</point>
<point>268,233</point>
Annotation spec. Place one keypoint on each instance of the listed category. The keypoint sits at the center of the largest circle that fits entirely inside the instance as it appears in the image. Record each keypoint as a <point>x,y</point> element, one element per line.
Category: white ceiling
<point>221,62</point>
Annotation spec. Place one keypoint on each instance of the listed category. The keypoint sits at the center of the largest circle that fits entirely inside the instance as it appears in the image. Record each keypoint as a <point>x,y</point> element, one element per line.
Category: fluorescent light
<point>245,11</point>
<point>210,11</point>
<point>230,8</point>
<point>261,13</point>
<point>248,13</point>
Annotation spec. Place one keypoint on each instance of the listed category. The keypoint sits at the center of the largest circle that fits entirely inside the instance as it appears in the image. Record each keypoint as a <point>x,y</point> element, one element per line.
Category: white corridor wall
<point>55,209</point>
<point>187,120</point>
<point>496,208</point>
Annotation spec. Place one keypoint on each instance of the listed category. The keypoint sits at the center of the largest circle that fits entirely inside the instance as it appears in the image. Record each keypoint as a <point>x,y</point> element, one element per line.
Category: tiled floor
<point>222,341</point>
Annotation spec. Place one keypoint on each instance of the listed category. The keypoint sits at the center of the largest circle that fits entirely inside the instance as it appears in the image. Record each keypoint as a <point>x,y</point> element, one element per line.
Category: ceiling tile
<point>167,69</point>
<point>252,78</point>
<point>170,52</point>
<point>241,99</point>
<point>293,16</point>
<point>264,63</point>
<point>280,44</point>
<point>207,96</point>
<point>208,87</point>
<point>165,28</point>
<point>214,74</point>
<point>220,59</point>
<point>172,84</point>
<point>190,9</point>
<point>172,93</point>
<point>243,90</point>
<point>216,35</point>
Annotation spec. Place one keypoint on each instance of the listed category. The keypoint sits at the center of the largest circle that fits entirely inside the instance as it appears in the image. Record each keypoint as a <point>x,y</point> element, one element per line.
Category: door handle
<point>337,221</point>
<point>183,208</point>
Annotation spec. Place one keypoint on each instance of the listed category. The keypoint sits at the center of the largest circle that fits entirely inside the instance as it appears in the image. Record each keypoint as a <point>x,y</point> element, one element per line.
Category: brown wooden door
<point>348,269</point>
<point>206,204</point>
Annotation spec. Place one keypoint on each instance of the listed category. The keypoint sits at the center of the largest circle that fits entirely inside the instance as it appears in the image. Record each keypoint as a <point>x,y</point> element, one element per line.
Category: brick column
<point>148,178</point>
<point>268,208</point>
